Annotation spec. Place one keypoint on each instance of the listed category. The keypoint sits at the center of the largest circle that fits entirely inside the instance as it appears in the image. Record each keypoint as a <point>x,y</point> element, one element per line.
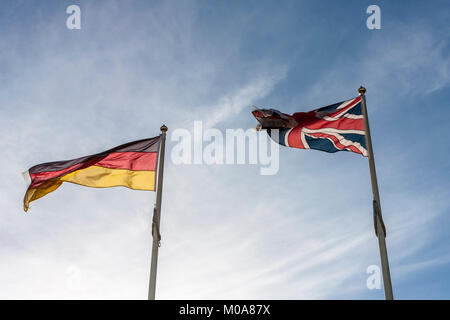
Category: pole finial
<point>163,128</point>
<point>361,90</point>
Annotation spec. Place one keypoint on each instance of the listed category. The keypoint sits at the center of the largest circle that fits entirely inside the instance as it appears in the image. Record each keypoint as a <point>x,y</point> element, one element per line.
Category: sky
<point>227,231</point>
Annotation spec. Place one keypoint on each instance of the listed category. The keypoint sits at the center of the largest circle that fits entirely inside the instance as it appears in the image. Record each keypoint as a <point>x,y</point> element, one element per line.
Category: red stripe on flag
<point>130,160</point>
<point>294,138</point>
<point>340,124</point>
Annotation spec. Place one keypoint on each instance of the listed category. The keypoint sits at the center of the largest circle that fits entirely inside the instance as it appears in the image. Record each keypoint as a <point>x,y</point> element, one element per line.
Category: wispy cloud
<point>232,104</point>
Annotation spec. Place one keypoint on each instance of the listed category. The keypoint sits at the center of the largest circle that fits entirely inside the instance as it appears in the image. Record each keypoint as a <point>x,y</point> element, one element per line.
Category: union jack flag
<point>337,127</point>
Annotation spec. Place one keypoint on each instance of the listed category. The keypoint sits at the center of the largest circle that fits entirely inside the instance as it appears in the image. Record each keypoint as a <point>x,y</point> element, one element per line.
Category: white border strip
<point>26,177</point>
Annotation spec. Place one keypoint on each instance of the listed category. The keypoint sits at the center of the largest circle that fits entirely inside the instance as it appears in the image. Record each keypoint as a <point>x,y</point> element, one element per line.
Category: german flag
<point>131,165</point>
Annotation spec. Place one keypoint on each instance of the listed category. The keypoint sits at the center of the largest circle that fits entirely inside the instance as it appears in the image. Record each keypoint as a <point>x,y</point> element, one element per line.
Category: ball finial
<point>163,128</point>
<point>362,90</point>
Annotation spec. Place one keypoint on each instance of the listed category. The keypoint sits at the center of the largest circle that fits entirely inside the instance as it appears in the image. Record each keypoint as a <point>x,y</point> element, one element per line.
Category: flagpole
<point>156,217</point>
<point>380,229</point>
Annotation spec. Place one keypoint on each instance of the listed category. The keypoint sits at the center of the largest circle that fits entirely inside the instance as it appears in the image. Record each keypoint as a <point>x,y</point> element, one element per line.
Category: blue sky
<point>228,232</point>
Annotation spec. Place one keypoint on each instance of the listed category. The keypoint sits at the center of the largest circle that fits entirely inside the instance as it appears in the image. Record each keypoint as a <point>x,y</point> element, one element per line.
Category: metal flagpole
<point>380,229</point>
<point>156,217</point>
